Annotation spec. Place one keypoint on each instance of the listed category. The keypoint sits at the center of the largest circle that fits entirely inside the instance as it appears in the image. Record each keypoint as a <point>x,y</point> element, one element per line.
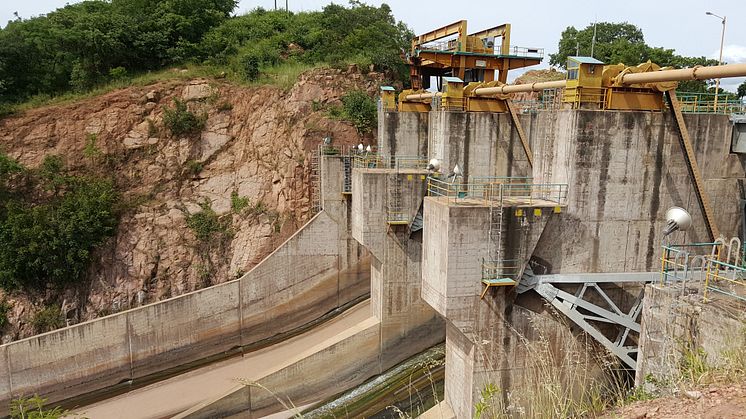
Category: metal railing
<point>500,190</point>
<point>725,278</point>
<point>478,48</point>
<point>499,269</point>
<point>694,102</point>
<point>681,263</point>
<point>718,266</point>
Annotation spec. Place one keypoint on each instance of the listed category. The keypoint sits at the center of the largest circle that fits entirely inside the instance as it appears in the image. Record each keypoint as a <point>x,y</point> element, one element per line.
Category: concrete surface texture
<point>482,144</point>
<point>299,282</point>
<point>402,133</point>
<point>208,382</point>
<point>678,325</point>
<point>624,169</point>
<point>404,323</point>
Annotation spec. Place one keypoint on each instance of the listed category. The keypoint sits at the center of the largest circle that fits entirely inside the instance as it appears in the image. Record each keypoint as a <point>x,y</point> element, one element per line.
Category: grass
<point>282,76</point>
<point>144,79</point>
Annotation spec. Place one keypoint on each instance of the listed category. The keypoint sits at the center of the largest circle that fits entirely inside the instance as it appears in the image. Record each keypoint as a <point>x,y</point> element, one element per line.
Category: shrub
<point>205,224</point>
<point>91,151</point>
<point>225,106</point>
<point>194,167</point>
<point>51,242</point>
<point>5,307</point>
<point>180,121</point>
<point>248,66</point>
<point>359,109</point>
<point>238,203</point>
<point>118,73</point>
<point>48,318</point>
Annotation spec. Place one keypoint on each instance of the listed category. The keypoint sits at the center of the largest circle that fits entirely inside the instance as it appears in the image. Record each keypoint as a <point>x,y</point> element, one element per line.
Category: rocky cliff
<point>251,164</point>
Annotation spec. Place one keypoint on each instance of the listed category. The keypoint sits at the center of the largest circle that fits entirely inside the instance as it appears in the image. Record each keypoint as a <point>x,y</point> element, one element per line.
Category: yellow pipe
<point>422,96</point>
<point>518,88</point>
<point>694,73</point>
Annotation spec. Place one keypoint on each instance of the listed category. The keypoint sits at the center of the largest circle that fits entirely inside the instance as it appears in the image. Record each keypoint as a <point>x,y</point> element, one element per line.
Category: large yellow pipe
<point>518,88</point>
<point>422,96</point>
<point>694,73</point>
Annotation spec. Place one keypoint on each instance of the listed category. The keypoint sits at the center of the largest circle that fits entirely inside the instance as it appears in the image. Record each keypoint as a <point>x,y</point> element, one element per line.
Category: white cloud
<point>731,54</point>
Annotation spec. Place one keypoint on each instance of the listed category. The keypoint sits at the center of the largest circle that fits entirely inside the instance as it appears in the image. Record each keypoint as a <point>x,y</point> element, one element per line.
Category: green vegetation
<point>238,203</point>
<point>624,43</point>
<point>206,224</point>
<point>48,318</point>
<point>95,46</point>
<point>50,222</point>
<point>34,408</point>
<point>5,307</point>
<point>360,110</point>
<point>180,121</point>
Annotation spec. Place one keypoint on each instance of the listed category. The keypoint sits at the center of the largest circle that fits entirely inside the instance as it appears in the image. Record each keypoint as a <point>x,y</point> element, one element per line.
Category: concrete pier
<point>623,170</point>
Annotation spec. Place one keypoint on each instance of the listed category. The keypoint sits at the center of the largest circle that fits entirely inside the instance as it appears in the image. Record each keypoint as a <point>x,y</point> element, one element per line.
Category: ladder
<point>395,214</point>
<point>493,274</point>
<point>347,183</point>
<point>521,134</point>
<point>315,178</point>
<point>691,161</point>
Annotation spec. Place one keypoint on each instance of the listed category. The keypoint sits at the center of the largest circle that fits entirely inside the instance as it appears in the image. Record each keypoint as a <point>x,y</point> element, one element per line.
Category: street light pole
<point>720,59</point>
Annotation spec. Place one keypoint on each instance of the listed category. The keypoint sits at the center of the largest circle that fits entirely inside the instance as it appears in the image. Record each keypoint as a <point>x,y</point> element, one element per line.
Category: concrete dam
<point>523,238</point>
<point>415,249</point>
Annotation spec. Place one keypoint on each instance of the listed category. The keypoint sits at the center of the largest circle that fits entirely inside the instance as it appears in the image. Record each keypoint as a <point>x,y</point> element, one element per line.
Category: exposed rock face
<point>256,144</point>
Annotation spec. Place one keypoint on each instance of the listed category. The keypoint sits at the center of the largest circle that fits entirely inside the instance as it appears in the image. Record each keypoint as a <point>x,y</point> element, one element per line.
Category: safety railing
<point>681,263</point>
<point>726,279</point>
<point>479,48</point>
<point>695,102</point>
<point>531,193</point>
<point>369,160</point>
<point>718,266</point>
<point>499,269</point>
<point>410,162</point>
<point>394,216</point>
<point>510,191</point>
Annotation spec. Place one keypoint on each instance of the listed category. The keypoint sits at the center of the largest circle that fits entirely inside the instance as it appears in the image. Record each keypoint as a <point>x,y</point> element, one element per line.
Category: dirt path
<point>714,402</point>
<point>172,396</point>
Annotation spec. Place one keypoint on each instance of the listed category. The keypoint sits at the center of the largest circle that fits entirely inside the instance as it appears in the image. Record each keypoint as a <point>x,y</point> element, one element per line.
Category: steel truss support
<point>603,311</point>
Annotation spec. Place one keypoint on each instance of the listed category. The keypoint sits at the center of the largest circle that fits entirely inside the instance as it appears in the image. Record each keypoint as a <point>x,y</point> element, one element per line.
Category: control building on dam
<point>510,231</point>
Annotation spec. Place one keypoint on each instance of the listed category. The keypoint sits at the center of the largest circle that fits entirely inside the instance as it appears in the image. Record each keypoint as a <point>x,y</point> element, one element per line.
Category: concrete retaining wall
<point>678,324</point>
<point>295,285</point>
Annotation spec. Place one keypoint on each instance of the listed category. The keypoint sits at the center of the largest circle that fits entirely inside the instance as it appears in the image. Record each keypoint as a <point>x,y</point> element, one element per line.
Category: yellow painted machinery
<point>451,51</point>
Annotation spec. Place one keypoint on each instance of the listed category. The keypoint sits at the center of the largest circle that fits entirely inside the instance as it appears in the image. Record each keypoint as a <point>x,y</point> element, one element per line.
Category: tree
<point>48,234</point>
<point>624,43</point>
<point>741,92</point>
<point>615,42</point>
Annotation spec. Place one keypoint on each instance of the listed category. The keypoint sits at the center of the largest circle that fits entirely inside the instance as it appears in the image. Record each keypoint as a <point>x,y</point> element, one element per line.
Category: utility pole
<point>286,6</point>
<point>720,59</point>
<point>593,41</point>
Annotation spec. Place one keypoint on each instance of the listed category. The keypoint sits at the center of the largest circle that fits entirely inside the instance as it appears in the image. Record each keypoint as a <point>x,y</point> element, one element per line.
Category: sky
<point>681,25</point>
